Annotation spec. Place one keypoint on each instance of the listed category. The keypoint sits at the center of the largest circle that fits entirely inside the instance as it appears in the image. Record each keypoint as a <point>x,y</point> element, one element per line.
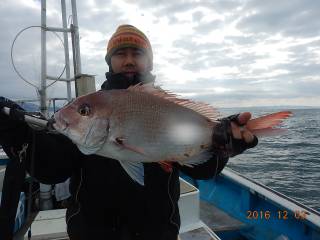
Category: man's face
<point>129,61</point>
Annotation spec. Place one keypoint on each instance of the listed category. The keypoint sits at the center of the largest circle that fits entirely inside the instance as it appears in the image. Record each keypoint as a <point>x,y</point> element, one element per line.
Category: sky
<point>228,53</point>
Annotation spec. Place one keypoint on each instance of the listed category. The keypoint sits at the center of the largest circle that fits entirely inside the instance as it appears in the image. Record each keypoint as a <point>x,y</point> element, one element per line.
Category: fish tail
<point>264,126</point>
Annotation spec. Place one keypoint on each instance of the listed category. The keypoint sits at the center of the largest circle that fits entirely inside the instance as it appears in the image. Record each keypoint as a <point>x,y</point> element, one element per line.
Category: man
<point>106,202</point>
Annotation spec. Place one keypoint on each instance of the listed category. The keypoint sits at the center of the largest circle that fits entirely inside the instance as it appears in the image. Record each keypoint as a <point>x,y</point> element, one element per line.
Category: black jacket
<point>106,202</point>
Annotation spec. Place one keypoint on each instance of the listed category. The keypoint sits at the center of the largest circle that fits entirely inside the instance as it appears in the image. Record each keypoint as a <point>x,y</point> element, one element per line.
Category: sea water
<point>289,163</point>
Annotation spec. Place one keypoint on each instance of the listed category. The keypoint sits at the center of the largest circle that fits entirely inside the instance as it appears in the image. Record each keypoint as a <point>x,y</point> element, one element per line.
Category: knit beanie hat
<point>129,36</point>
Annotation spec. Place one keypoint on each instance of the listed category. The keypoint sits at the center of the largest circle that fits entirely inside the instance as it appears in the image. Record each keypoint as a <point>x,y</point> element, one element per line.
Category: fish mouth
<point>51,124</point>
<point>64,127</point>
<point>59,123</point>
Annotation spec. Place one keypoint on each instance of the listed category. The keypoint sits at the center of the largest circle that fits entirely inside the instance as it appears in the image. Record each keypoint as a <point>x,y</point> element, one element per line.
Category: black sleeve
<point>206,170</point>
<point>54,155</point>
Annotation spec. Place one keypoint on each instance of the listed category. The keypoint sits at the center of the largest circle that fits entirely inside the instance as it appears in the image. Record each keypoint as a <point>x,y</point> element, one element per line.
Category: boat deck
<point>217,220</point>
<point>50,224</point>
<point>201,233</point>
<point>201,220</point>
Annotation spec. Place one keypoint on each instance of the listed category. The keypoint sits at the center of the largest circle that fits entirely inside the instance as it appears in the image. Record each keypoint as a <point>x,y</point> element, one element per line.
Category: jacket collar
<point>120,81</point>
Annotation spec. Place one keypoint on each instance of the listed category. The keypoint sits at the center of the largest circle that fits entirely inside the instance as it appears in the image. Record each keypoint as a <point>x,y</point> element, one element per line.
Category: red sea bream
<point>144,124</point>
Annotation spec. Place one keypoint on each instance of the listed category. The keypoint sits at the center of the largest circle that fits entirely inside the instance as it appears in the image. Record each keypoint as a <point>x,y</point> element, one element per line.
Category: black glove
<point>223,140</point>
<point>12,125</point>
<point>15,117</point>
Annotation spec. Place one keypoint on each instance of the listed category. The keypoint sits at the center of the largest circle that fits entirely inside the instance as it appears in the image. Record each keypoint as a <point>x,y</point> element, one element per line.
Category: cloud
<point>204,28</point>
<point>241,52</point>
<point>197,16</point>
<point>290,18</point>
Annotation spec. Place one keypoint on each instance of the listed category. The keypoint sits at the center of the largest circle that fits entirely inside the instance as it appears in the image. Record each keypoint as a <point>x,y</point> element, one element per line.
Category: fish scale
<point>153,115</point>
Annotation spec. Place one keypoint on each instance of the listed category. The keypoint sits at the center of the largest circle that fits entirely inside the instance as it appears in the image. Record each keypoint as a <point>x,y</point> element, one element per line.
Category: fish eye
<point>84,110</point>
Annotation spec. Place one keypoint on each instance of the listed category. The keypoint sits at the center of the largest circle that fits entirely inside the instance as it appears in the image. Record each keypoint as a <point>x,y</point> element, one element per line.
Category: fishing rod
<point>33,120</point>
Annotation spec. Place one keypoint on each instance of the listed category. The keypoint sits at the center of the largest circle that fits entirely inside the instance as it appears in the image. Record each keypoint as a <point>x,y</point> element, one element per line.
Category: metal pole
<point>76,37</point>
<point>54,105</point>
<point>28,119</point>
<point>66,48</point>
<point>45,190</point>
<point>42,90</point>
<point>55,29</point>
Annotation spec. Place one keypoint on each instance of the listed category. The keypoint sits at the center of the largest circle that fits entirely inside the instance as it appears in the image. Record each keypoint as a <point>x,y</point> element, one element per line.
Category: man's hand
<point>231,137</point>
<point>240,132</point>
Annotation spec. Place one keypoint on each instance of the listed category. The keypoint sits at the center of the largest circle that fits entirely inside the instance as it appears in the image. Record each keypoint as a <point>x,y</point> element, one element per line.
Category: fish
<point>144,124</point>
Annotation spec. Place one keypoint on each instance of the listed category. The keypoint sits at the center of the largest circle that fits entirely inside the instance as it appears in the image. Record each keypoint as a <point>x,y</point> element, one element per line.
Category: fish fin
<point>88,150</point>
<point>147,87</point>
<point>166,166</point>
<point>121,142</point>
<point>135,170</point>
<point>263,126</point>
<point>204,109</point>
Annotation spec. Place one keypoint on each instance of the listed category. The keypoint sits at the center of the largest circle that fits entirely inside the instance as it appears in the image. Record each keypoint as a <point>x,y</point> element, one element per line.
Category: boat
<point>3,157</point>
<point>237,207</point>
<point>228,207</point>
